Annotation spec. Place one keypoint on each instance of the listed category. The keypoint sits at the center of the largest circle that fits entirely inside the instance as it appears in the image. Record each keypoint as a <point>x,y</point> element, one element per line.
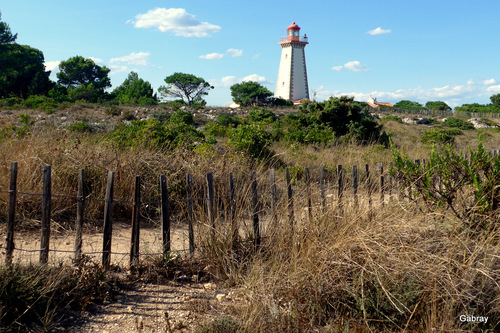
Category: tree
<point>437,106</point>
<point>495,99</point>
<point>247,93</point>
<point>77,71</point>
<point>188,87</point>
<point>6,35</point>
<point>408,105</point>
<point>135,91</point>
<point>22,71</point>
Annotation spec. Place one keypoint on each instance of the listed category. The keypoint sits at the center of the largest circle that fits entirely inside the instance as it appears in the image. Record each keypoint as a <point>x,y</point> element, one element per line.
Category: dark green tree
<point>6,35</point>
<point>22,71</point>
<point>495,99</point>
<point>250,92</point>
<point>77,71</point>
<point>135,90</point>
<point>188,87</point>
<point>437,106</point>
<point>408,105</point>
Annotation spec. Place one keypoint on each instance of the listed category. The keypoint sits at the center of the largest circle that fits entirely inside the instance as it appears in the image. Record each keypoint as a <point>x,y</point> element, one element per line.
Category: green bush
<point>261,114</point>
<point>458,123</point>
<point>440,136</point>
<point>181,116</point>
<point>81,127</point>
<point>250,138</point>
<point>40,102</point>
<point>392,118</point>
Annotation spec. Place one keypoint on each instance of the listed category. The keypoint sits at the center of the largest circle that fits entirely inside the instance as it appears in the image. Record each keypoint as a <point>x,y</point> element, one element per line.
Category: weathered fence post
<point>189,192</point>
<point>381,175</point>
<point>255,211</point>
<point>390,181</point>
<point>232,210</point>
<point>368,187</point>
<point>355,184</point>
<point>46,208</point>
<point>108,222</point>
<point>136,224</point>
<point>80,207</point>
<point>11,215</point>
<point>210,202</point>
<point>340,184</point>
<point>274,196</point>
<point>322,188</point>
<point>165,216</point>
<point>309,199</point>
<point>291,217</point>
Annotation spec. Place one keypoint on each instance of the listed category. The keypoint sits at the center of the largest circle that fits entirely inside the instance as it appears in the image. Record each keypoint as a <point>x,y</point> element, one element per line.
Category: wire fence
<point>249,208</point>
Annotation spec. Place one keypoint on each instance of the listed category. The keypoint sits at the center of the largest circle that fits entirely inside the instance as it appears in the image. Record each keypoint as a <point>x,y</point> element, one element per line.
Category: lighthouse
<point>292,75</point>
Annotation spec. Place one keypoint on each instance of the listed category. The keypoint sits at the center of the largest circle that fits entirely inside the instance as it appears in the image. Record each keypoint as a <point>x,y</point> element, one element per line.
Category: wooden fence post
<point>340,184</point>
<point>291,217</point>
<point>80,207</point>
<point>369,187</point>
<point>11,215</point>
<point>136,224</point>
<point>46,209</point>
<point>210,202</point>
<point>381,175</point>
<point>165,216</point>
<point>255,211</point>
<point>274,196</point>
<point>189,191</point>
<point>309,199</point>
<point>108,222</point>
<point>355,184</point>
<point>322,188</point>
<point>232,210</point>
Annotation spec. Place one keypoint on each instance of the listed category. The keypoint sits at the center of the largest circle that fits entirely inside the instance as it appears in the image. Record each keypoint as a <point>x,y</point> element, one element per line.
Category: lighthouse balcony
<point>294,39</point>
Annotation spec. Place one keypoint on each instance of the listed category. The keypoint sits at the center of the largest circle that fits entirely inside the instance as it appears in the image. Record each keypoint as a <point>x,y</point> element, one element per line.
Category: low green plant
<point>439,136</point>
<point>250,138</point>
<point>458,123</point>
<point>220,325</point>
<point>392,118</point>
<point>81,127</point>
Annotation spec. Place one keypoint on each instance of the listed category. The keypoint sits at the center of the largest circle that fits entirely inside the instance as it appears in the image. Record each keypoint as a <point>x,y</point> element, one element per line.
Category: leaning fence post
<point>189,192</point>
<point>108,223</point>
<point>165,216</point>
<point>80,206</point>
<point>210,202</point>
<point>136,224</point>
<point>340,184</point>
<point>274,196</point>
<point>291,217</point>
<point>309,200</point>
<point>355,184</point>
<point>11,216</point>
<point>369,187</point>
<point>232,209</point>
<point>381,174</point>
<point>255,211</point>
<point>322,188</point>
<point>46,208</point>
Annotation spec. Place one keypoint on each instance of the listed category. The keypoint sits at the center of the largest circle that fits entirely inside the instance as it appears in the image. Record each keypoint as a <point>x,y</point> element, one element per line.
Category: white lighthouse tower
<point>292,75</point>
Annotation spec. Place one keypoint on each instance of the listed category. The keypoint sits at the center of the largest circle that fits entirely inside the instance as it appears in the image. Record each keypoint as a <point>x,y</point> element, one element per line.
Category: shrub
<point>251,138</point>
<point>181,116</point>
<point>458,123</point>
<point>40,102</point>
<point>81,127</point>
<point>439,136</point>
<point>261,114</point>
<point>392,118</point>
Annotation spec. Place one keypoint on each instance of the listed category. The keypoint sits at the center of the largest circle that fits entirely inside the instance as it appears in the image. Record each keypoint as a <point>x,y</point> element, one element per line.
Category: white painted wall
<point>292,75</point>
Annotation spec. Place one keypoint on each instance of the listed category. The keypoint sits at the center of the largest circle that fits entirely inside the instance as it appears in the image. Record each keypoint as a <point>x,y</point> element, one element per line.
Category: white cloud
<point>212,56</point>
<point>235,52</point>
<point>489,82</point>
<point>228,81</point>
<point>115,69</point>
<point>51,65</point>
<point>353,66</point>
<point>256,78</point>
<point>494,89</point>
<point>141,59</point>
<point>176,20</point>
<point>256,56</point>
<point>378,31</point>
<point>97,60</point>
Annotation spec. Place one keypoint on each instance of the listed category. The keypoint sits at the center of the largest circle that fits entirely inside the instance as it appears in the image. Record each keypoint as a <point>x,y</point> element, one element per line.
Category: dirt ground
<point>164,306</point>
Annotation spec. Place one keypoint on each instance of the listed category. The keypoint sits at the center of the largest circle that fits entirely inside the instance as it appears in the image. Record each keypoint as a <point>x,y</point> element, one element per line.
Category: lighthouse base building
<point>292,75</point>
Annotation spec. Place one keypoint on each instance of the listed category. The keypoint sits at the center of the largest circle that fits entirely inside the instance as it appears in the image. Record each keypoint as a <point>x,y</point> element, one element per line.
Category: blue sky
<point>393,50</point>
